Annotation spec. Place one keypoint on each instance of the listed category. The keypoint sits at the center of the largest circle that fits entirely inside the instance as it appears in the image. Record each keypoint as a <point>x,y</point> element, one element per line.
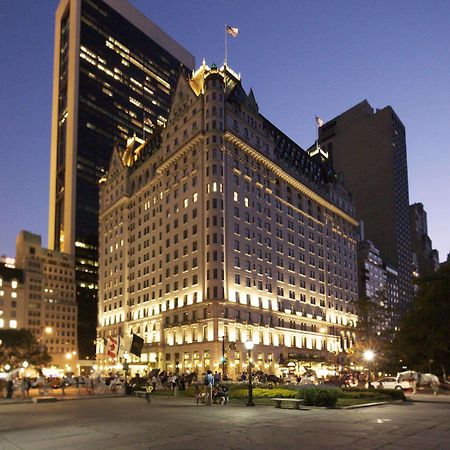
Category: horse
<point>419,379</point>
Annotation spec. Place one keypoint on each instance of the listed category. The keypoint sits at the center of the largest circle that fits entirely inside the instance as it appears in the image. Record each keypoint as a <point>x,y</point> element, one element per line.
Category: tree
<point>18,346</point>
<point>371,329</point>
<point>423,341</point>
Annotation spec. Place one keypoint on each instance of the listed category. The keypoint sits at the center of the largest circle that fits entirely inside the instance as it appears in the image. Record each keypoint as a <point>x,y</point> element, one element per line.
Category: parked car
<point>390,383</point>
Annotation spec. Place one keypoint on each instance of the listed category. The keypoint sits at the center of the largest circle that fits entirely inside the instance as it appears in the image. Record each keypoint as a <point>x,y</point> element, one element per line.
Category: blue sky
<point>302,58</point>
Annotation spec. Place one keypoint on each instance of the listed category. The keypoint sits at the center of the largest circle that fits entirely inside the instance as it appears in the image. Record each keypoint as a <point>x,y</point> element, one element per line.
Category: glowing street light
<point>369,355</point>
<point>249,346</point>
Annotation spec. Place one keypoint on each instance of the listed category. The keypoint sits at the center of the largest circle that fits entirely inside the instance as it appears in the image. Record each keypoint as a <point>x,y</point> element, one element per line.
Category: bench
<point>295,401</point>
<point>44,399</point>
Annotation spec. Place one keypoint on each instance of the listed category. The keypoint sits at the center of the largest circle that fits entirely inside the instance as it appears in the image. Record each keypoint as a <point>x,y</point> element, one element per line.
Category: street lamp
<point>223,359</point>
<point>249,347</point>
<point>368,356</point>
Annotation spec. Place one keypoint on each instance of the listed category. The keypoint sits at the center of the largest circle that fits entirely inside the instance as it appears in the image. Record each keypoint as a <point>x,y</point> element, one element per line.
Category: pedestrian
<point>148,391</point>
<point>217,378</point>
<point>9,388</point>
<point>173,382</point>
<point>198,395</point>
<point>28,387</point>
<point>154,382</point>
<point>209,383</point>
<point>23,387</point>
<point>182,382</point>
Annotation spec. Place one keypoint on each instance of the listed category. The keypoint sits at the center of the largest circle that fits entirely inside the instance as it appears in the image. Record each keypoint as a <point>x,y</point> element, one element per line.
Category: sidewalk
<point>428,397</point>
<point>71,393</point>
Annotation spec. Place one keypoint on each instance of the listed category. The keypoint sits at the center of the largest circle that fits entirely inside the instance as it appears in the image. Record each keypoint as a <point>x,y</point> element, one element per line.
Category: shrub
<point>395,394</point>
<point>264,393</point>
<point>373,395</point>
<point>317,396</point>
<point>355,393</point>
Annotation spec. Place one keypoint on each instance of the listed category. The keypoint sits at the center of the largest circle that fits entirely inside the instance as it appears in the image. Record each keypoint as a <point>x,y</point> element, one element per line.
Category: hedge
<point>317,396</point>
<point>313,396</point>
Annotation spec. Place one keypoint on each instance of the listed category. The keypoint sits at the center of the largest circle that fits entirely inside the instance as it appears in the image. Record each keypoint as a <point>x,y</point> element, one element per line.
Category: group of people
<point>214,392</point>
<point>22,384</point>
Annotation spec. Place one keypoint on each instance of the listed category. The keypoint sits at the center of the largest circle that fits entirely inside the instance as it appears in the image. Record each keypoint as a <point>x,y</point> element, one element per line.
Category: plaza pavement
<point>126,423</point>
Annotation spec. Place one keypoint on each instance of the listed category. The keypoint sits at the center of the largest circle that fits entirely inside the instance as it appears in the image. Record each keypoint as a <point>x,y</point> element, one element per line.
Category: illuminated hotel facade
<point>113,70</point>
<point>221,227</point>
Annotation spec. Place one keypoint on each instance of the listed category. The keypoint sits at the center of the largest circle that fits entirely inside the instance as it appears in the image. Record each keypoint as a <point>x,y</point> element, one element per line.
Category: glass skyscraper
<point>114,73</point>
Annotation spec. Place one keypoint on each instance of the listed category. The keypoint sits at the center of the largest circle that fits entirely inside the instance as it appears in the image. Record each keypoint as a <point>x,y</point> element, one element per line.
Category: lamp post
<point>368,356</point>
<point>223,359</point>
<point>249,347</point>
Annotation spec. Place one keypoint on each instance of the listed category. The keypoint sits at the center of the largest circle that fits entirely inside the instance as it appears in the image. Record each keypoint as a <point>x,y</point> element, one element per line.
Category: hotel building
<point>221,227</point>
<point>114,74</point>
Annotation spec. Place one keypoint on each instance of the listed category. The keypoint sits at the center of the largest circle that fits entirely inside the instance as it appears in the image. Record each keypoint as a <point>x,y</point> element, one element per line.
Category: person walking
<point>148,391</point>
<point>209,383</point>
<point>9,388</point>
<point>23,387</point>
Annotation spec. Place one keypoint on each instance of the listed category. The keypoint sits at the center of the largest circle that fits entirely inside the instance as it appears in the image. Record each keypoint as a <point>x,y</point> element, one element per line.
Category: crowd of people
<point>209,387</point>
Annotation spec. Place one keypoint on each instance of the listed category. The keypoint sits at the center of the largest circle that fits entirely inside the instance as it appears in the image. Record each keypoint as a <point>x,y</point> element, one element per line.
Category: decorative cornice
<point>257,156</point>
<point>179,153</point>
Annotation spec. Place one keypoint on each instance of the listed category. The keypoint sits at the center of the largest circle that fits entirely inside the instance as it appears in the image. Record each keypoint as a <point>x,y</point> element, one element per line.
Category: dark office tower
<point>368,146</point>
<point>114,73</point>
<point>427,257</point>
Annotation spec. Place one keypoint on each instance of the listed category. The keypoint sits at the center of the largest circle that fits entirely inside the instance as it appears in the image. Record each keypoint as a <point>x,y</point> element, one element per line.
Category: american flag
<point>319,121</point>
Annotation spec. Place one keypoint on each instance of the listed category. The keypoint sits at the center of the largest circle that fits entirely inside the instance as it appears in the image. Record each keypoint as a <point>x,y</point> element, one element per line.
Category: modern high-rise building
<point>114,73</point>
<point>427,257</point>
<point>379,283</point>
<point>223,228</point>
<point>369,148</point>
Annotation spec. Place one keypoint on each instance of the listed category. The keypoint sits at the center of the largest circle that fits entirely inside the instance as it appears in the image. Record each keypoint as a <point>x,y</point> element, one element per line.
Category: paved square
<point>167,423</point>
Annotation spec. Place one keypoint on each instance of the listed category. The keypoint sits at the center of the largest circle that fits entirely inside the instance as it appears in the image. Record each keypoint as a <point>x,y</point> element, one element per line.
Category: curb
<point>436,402</point>
<point>365,405</point>
<point>60,399</point>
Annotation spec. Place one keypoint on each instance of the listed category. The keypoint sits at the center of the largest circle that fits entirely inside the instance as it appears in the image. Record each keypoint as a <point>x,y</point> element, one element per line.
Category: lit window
<point>13,323</point>
<point>2,323</point>
<point>246,201</point>
<point>14,284</point>
<point>14,294</point>
<point>215,186</point>
<point>195,197</point>
<point>235,196</point>
<point>185,202</point>
<point>2,293</point>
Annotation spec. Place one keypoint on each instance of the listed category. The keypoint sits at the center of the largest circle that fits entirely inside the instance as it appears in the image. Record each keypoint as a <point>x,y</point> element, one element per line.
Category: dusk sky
<point>302,59</point>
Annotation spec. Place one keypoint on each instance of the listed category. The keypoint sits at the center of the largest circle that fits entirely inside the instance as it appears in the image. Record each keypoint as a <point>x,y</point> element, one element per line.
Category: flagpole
<point>226,50</point>
<point>317,141</point>
<point>143,126</point>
